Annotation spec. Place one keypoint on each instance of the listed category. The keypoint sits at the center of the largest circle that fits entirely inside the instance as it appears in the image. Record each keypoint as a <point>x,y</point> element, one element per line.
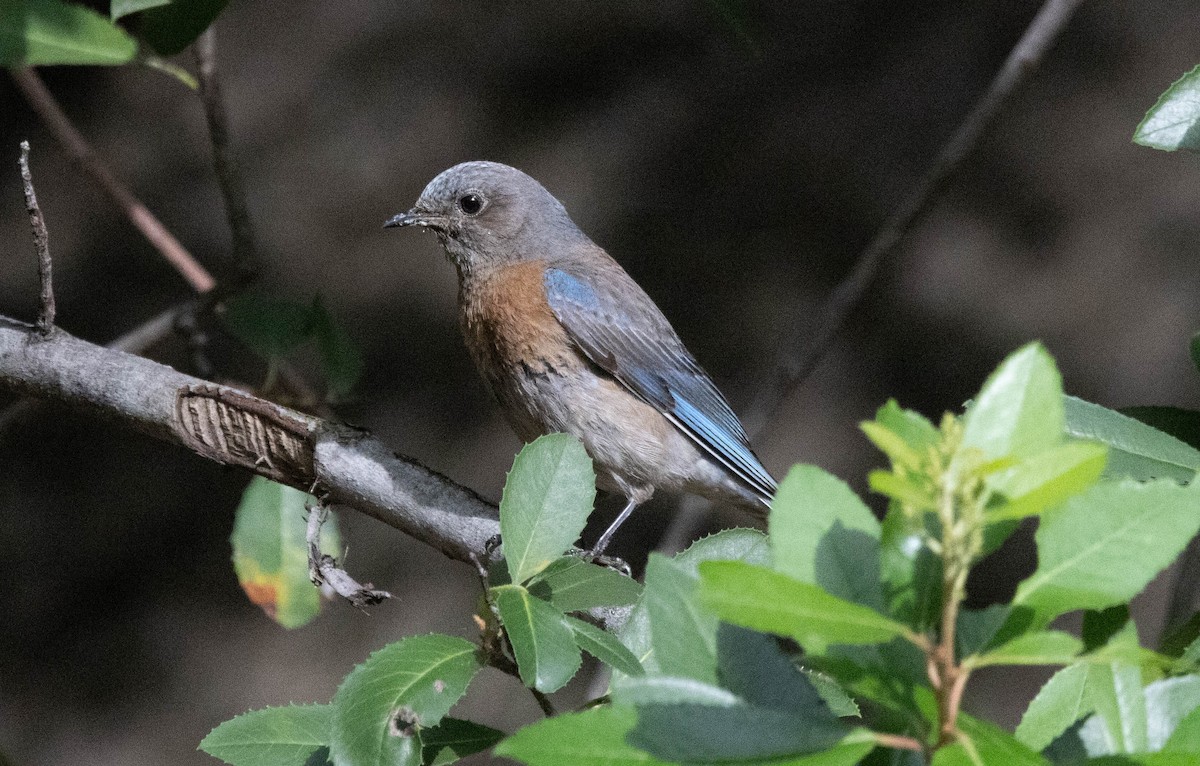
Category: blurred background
<point>734,156</point>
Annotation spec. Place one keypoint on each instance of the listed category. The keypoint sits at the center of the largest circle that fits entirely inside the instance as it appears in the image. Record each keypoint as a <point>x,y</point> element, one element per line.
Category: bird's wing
<point>623,333</point>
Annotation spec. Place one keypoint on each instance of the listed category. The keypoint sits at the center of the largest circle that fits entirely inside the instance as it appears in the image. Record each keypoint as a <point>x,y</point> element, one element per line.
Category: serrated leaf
<point>1105,545</point>
<point>1040,483</point>
<point>1172,123</point>
<point>172,27</point>
<point>271,327</point>
<point>1136,450</point>
<point>1119,723</point>
<point>120,8</point>
<point>1048,647</point>
<point>1060,703</point>
<point>546,502</point>
<point>571,584</point>
<point>978,627</point>
<point>270,553</point>
<point>839,701</point>
<point>1019,411</point>
<point>605,647</point>
<point>752,665</point>
<point>454,738</point>
<point>281,736</point>
<point>542,641</point>
<point>594,737</point>
<point>898,488</point>
<point>1183,424</point>
<point>730,544</point>
<point>758,598</point>
<point>682,633</point>
<point>891,444</point>
<point>380,708</point>
<point>823,534</point>
<point>43,32</point>
<point>341,362</point>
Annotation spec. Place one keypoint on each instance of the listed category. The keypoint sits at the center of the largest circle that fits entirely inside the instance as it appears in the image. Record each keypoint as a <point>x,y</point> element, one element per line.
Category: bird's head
<point>488,214</point>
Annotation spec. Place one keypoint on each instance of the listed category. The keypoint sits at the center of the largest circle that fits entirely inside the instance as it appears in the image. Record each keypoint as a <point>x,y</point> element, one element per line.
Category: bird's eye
<point>470,204</point>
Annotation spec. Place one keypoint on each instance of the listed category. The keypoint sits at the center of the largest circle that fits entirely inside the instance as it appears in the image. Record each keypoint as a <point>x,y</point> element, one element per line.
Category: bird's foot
<point>609,562</point>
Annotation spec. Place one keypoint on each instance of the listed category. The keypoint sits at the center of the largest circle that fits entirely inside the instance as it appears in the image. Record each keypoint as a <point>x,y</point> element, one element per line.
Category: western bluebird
<point>568,342</point>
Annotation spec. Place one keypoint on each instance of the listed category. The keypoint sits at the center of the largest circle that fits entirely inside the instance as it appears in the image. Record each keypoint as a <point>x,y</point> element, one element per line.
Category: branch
<point>235,428</point>
<point>324,570</point>
<point>224,164</point>
<point>796,362</point>
<point>56,121</point>
<point>41,243</point>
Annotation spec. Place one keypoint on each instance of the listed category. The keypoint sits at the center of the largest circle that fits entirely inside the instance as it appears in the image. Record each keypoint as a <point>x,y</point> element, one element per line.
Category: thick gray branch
<point>236,428</point>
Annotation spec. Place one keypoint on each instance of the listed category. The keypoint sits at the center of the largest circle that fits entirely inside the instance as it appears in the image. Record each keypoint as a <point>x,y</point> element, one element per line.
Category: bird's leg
<point>605,538</point>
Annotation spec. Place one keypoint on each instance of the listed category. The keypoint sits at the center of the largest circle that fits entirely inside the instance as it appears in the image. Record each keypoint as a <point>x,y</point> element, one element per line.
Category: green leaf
<point>594,737</point>
<point>41,32</point>
<point>605,647</point>
<point>1060,703</point>
<point>544,644</point>
<point>892,444</point>
<point>341,361</point>
<point>682,633</point>
<point>1019,411</point>
<point>730,544</point>
<point>759,598</point>
<point>913,427</point>
<point>1135,449</point>
<point>1183,424</point>
<point>910,572</point>
<point>546,502</point>
<point>1105,545</point>
<point>453,739</point>
<point>1040,483</point>
<point>574,585</point>
<point>1101,626</point>
<point>280,736</point>
<point>1119,723</point>
<point>1168,703</point>
<point>270,553</point>
<point>978,628</point>
<point>120,8</point>
<point>1186,737</point>
<point>381,707</point>
<point>271,327</point>
<point>171,28</point>
<point>1049,647</point>
<point>753,666</point>
<point>840,703</point>
<point>1172,123</point>
<point>983,744</point>
<point>821,533</point>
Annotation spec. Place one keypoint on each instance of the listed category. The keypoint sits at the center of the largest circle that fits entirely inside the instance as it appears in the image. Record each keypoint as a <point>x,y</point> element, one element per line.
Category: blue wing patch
<point>627,336</point>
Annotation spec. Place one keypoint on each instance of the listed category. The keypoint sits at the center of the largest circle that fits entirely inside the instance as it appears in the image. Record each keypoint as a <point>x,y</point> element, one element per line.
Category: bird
<point>568,342</point>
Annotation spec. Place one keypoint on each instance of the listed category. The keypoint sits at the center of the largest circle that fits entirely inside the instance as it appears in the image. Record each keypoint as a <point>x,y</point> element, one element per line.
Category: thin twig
<point>40,98</point>
<point>898,742</point>
<point>795,362</point>
<point>228,176</point>
<point>323,568</point>
<point>41,243</point>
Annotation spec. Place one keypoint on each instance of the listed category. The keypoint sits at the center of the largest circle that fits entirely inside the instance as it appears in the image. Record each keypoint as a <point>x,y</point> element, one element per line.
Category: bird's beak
<point>413,217</point>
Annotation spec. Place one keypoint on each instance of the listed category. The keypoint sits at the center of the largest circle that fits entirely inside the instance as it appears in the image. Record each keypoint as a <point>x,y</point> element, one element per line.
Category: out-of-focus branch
<point>41,243</point>
<point>796,360</point>
<point>228,176</point>
<point>51,114</point>
<point>233,427</point>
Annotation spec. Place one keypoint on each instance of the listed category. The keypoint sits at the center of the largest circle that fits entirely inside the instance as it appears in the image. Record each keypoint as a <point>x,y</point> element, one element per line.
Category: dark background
<point>735,157</point>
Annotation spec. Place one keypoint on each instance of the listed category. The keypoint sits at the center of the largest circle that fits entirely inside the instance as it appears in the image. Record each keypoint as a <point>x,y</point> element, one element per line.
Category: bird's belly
<point>631,443</point>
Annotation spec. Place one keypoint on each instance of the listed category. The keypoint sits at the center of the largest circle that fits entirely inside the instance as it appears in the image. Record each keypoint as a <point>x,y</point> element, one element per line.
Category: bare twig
<point>228,176</point>
<point>323,568</point>
<point>41,243</point>
<point>898,741</point>
<point>795,362</point>
<point>40,98</point>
